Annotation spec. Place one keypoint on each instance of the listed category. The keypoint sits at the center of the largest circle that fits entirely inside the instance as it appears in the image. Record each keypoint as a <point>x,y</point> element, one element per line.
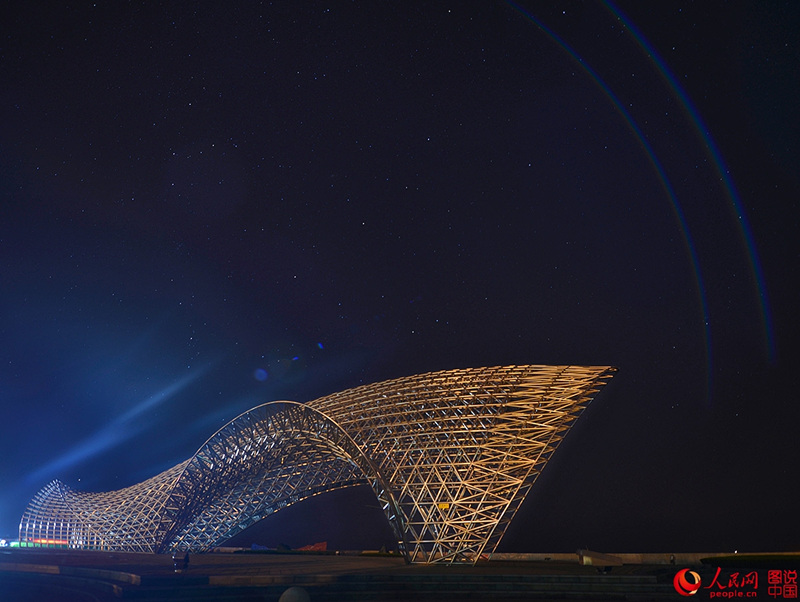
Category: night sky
<point>208,206</point>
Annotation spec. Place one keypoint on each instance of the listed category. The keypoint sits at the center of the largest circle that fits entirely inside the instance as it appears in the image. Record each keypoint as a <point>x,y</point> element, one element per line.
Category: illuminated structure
<point>450,456</point>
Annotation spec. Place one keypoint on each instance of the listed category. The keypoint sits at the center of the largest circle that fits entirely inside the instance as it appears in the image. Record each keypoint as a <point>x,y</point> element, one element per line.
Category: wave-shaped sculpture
<point>450,456</point>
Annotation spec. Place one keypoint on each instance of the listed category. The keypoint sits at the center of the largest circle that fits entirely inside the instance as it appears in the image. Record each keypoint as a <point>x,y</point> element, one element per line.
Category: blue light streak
<point>121,429</point>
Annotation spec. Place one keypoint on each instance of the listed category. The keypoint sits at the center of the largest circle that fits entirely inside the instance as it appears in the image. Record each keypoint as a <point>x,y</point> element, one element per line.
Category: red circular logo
<point>686,582</point>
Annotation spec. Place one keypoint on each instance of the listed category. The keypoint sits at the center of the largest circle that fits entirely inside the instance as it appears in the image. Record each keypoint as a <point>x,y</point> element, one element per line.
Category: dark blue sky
<point>204,208</point>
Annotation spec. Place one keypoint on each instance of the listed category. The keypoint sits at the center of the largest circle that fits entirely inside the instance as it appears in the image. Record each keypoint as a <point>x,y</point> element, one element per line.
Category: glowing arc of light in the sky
<point>722,171</point>
<point>660,171</point>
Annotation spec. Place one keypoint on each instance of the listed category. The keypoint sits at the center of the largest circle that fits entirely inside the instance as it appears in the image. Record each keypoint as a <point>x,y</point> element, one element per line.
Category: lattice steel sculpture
<point>450,456</point>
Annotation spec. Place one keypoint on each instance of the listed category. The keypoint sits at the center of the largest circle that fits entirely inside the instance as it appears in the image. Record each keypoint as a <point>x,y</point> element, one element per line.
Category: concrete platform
<point>28,575</point>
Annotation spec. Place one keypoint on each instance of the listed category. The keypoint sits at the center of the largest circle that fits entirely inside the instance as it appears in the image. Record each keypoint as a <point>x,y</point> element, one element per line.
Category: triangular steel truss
<point>450,456</point>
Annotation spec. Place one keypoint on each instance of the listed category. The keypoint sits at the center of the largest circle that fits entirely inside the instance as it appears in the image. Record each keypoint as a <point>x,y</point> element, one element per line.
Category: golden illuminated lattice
<point>450,456</point>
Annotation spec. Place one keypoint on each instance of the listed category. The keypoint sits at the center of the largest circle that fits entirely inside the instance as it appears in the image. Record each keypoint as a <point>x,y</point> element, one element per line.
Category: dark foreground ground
<point>63,575</point>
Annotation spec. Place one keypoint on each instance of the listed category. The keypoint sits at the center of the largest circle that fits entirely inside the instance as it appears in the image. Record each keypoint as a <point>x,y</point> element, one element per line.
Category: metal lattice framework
<point>450,456</point>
